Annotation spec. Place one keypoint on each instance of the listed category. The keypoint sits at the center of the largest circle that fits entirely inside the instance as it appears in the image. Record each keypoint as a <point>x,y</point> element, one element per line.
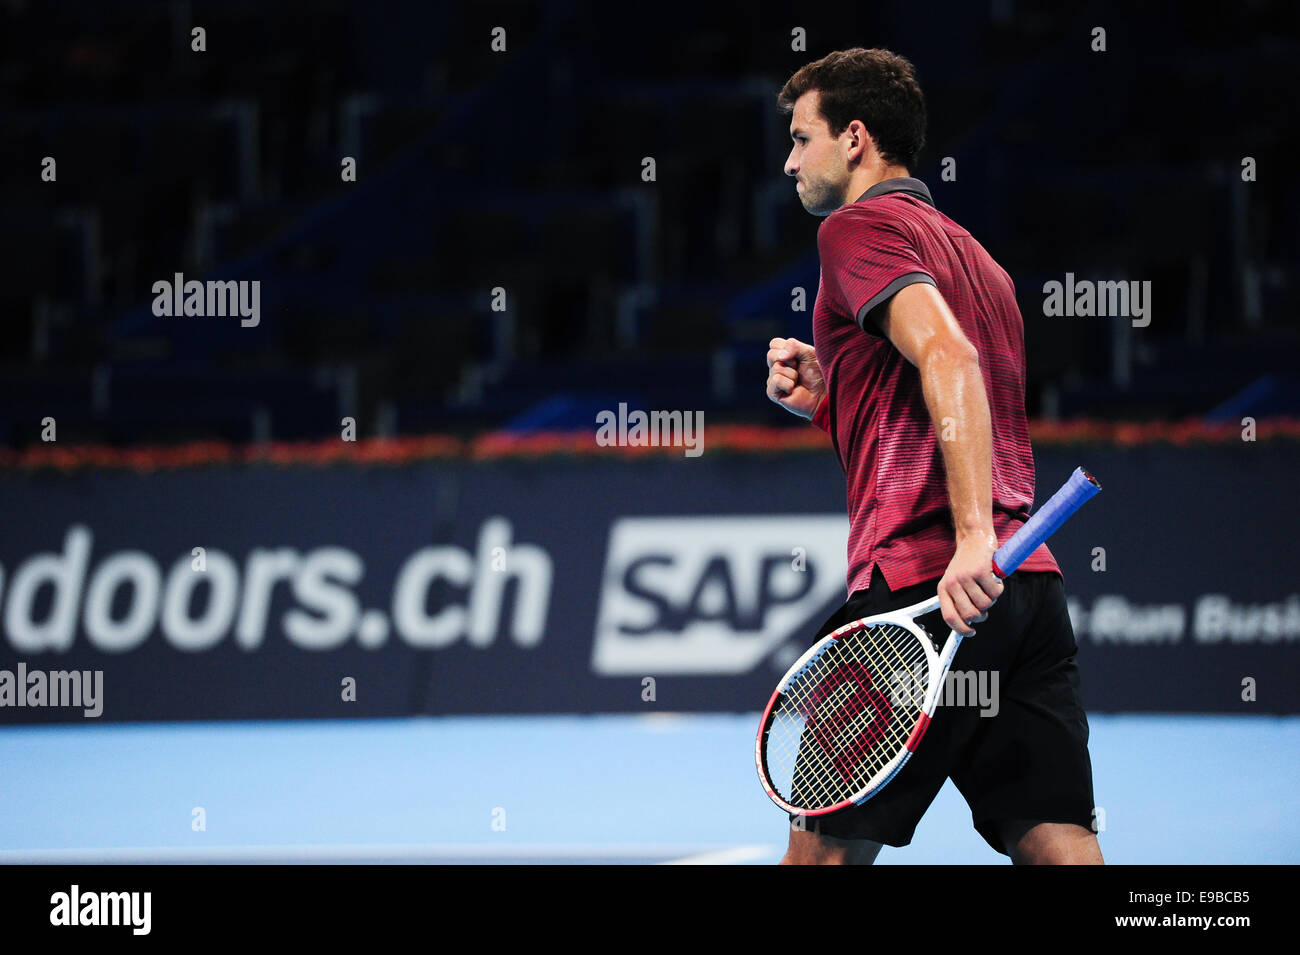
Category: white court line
<point>724,856</point>
<point>345,854</point>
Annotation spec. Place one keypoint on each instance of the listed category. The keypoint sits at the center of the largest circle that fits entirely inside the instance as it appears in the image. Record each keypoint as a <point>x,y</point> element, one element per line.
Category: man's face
<point>816,160</point>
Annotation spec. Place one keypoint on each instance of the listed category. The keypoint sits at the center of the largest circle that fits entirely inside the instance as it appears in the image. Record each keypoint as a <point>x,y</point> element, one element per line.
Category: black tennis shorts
<point>1010,729</point>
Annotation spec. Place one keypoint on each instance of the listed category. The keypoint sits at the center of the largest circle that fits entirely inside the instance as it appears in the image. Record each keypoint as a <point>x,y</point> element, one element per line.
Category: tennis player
<point>917,371</point>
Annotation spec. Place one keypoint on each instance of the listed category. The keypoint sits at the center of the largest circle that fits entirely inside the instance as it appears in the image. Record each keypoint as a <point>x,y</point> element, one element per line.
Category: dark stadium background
<point>521,169</point>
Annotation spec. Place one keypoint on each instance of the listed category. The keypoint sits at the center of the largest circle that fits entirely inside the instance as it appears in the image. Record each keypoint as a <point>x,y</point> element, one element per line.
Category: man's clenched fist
<point>794,379</point>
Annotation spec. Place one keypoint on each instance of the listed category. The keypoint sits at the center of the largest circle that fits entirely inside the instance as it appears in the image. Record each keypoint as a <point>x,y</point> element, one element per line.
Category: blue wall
<point>607,572</point>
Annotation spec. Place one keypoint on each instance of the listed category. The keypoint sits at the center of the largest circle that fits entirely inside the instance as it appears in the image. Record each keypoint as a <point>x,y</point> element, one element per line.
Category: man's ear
<point>864,138</point>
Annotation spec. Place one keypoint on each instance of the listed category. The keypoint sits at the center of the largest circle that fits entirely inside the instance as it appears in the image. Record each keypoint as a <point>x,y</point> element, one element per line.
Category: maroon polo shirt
<point>899,516</point>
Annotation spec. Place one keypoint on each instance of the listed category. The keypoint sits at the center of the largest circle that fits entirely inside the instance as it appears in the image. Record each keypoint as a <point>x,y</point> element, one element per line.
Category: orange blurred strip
<point>498,445</point>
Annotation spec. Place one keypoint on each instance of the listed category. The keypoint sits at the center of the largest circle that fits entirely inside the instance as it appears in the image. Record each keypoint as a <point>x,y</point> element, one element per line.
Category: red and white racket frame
<point>937,664</point>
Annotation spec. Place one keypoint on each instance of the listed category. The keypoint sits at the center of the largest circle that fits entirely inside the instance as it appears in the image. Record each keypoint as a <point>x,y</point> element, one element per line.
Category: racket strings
<point>850,727</point>
<point>849,724</point>
<point>846,715</point>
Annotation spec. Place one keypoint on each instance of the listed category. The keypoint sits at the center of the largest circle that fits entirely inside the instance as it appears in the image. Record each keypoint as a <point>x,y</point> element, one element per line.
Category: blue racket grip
<point>1045,522</point>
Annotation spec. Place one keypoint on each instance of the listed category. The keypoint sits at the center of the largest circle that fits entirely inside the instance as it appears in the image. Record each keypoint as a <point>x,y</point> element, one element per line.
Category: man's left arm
<point>921,326</point>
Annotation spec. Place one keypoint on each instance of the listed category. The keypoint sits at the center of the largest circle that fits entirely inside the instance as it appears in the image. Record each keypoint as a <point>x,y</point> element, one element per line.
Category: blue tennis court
<point>602,789</point>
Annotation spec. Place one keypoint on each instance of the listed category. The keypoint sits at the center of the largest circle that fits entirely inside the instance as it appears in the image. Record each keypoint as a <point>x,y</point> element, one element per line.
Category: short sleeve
<point>822,417</point>
<point>866,258</point>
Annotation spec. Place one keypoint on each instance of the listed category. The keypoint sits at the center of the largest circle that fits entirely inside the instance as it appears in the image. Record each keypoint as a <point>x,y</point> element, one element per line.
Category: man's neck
<point>863,179</point>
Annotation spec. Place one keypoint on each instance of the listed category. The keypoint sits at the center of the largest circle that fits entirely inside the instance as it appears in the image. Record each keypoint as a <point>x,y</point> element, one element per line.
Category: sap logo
<point>714,595</point>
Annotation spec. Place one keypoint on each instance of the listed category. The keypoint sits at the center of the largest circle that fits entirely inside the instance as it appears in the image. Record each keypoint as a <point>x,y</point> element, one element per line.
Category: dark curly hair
<point>875,86</point>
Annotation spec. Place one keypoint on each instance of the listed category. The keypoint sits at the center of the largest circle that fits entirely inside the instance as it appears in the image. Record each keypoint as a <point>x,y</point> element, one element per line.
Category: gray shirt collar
<point>904,184</point>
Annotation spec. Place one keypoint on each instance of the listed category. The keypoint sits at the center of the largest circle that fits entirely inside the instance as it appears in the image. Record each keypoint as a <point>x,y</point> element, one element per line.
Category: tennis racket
<point>852,710</point>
